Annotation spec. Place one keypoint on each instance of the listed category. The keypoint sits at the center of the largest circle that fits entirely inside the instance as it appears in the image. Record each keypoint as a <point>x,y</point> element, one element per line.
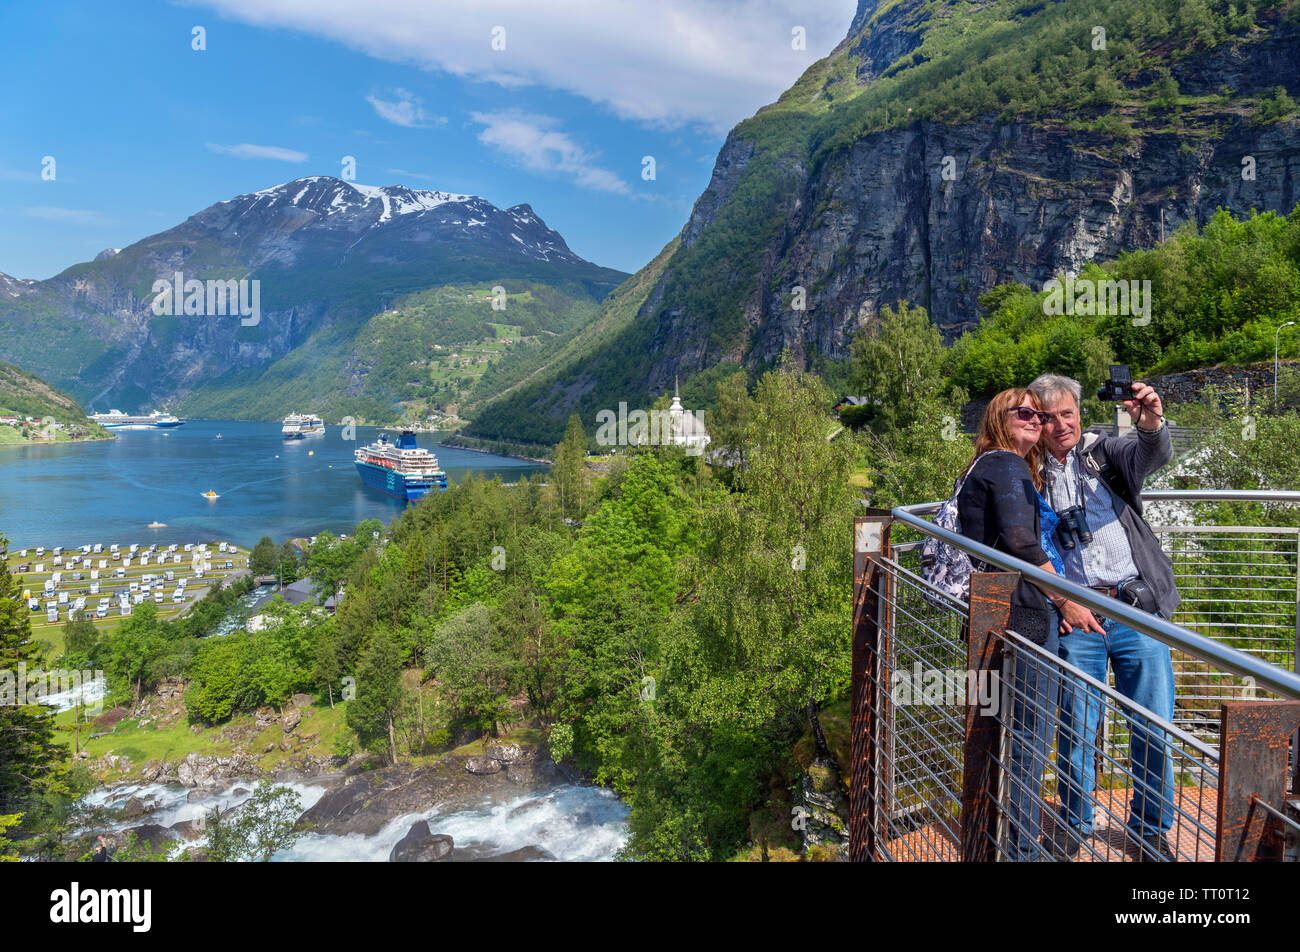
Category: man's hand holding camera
<point>1145,408</point>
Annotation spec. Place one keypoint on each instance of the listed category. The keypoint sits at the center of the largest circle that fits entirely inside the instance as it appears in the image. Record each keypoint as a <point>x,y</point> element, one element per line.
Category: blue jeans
<point>1033,716</point>
<point>1144,673</point>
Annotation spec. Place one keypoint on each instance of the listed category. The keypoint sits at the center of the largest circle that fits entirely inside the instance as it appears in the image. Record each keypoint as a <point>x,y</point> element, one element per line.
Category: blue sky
<point>144,130</point>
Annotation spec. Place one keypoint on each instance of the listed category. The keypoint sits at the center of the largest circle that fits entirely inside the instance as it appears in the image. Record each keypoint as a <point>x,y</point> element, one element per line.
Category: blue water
<point>71,494</point>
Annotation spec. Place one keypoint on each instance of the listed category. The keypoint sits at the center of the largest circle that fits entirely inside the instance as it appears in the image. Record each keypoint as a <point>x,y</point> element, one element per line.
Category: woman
<point>1000,505</point>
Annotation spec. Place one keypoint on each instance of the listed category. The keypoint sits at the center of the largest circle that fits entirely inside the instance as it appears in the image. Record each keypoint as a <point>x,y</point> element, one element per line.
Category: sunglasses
<point>1030,415</point>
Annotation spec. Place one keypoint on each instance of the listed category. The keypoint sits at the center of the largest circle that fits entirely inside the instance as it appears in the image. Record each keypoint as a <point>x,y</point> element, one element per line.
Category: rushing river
<point>74,493</point>
<point>568,822</point>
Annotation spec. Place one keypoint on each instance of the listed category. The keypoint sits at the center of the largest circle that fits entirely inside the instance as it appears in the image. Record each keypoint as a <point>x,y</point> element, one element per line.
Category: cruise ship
<point>298,425</point>
<point>402,470</point>
<point>117,420</point>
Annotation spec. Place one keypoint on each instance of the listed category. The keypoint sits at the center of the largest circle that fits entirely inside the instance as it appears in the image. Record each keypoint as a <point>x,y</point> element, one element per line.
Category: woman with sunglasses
<point>1000,504</point>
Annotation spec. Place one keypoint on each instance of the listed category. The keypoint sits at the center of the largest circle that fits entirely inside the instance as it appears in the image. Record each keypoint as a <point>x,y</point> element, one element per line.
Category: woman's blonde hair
<point>995,430</point>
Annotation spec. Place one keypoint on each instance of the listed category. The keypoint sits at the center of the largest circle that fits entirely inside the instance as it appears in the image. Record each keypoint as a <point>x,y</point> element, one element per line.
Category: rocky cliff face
<point>833,203</point>
<point>937,214</point>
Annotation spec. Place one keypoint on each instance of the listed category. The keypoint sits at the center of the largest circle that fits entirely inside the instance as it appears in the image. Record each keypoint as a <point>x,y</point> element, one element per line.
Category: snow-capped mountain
<point>327,254</point>
<point>326,205</point>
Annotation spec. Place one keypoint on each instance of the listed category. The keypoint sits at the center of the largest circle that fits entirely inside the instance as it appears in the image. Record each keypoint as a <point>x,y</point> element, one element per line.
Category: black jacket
<point>1124,463</point>
<point>998,506</point>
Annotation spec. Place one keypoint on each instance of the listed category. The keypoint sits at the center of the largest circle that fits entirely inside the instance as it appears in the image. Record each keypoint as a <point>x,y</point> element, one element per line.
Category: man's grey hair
<point>1048,388</point>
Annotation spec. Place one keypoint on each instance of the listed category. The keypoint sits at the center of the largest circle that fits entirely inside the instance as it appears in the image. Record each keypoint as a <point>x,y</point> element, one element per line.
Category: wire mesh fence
<point>1239,586</point>
<point>1085,770</point>
<point>921,681</point>
<point>1148,795</point>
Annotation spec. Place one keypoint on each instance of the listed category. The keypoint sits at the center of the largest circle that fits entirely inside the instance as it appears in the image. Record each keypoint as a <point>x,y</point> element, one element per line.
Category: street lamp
<point>1276,338</point>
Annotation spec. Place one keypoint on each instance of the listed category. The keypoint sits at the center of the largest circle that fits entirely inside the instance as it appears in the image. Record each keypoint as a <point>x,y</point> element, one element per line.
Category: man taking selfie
<point>1093,482</point>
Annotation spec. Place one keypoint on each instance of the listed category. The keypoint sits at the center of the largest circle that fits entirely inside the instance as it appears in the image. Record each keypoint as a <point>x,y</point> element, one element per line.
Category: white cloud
<point>533,142</point>
<point>660,61</point>
<point>76,216</point>
<point>246,151</point>
<point>404,110</point>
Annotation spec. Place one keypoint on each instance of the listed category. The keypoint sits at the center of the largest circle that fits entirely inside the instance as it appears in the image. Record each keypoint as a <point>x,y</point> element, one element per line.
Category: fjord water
<point>74,493</point>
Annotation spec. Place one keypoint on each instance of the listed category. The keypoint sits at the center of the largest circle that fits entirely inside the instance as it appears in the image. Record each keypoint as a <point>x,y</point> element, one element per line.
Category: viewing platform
<point>940,688</point>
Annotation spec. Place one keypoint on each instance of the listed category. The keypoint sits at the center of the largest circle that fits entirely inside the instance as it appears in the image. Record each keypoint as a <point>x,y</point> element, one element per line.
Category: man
<point>1099,479</point>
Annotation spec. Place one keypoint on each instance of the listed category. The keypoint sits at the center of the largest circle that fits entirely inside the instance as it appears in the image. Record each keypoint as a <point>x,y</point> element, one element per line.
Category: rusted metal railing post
<point>990,611</point>
<point>1254,740</point>
<point>870,722</point>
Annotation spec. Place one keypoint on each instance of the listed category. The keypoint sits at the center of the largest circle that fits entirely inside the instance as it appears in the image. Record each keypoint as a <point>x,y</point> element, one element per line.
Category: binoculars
<point>1073,527</point>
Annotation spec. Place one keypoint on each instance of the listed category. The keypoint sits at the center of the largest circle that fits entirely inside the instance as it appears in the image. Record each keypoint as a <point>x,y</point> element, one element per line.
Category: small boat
<point>156,525</point>
<point>211,495</point>
<point>218,436</point>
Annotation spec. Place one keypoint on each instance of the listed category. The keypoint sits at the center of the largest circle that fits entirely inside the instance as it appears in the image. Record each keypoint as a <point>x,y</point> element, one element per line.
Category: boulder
<point>188,830</point>
<point>135,808</point>
<point>287,743</point>
<point>525,854</point>
<point>150,771</point>
<point>300,700</point>
<point>420,845</point>
<point>482,765</point>
<point>533,774</point>
<point>196,770</point>
<point>152,834</point>
<point>509,753</point>
<point>291,719</point>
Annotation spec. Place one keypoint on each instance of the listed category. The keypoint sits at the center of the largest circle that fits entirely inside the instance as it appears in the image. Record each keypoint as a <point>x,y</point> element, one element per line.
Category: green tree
<point>80,636</point>
<point>260,827</point>
<point>264,558</point>
<point>472,656</point>
<point>371,713</point>
<point>919,463</point>
<point>731,418</point>
<point>215,676</point>
<point>287,565</point>
<point>27,751</point>
<point>8,854</point>
<point>898,360</point>
<point>134,651</point>
<point>568,471</point>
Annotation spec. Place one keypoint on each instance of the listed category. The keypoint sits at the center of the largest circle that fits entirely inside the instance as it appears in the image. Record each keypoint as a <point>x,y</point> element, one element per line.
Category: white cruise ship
<point>298,425</point>
<point>117,420</point>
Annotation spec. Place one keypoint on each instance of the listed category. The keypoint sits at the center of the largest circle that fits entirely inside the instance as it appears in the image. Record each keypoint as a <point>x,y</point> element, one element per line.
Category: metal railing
<point>917,691</point>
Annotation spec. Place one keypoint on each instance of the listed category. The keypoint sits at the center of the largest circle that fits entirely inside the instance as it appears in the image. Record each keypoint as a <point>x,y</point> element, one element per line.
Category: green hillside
<point>429,351</point>
<point>26,395</point>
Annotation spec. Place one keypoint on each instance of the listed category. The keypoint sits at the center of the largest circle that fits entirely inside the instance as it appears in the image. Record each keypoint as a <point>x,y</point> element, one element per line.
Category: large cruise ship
<point>117,420</point>
<point>298,425</point>
<point>404,470</point>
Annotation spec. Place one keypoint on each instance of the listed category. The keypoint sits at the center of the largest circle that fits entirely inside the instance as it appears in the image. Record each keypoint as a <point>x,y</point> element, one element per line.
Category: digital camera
<point>1120,385</point>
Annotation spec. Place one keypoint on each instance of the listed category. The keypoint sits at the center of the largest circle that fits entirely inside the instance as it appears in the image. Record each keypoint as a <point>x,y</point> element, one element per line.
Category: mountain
<point>24,394</point>
<point>327,256</point>
<point>942,149</point>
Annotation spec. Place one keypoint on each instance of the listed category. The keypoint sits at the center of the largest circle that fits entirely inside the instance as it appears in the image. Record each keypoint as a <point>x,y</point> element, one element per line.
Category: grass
<point>175,742</point>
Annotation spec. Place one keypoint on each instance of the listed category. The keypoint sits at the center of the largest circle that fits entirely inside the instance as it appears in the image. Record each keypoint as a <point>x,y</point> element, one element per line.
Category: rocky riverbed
<point>508,803</point>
